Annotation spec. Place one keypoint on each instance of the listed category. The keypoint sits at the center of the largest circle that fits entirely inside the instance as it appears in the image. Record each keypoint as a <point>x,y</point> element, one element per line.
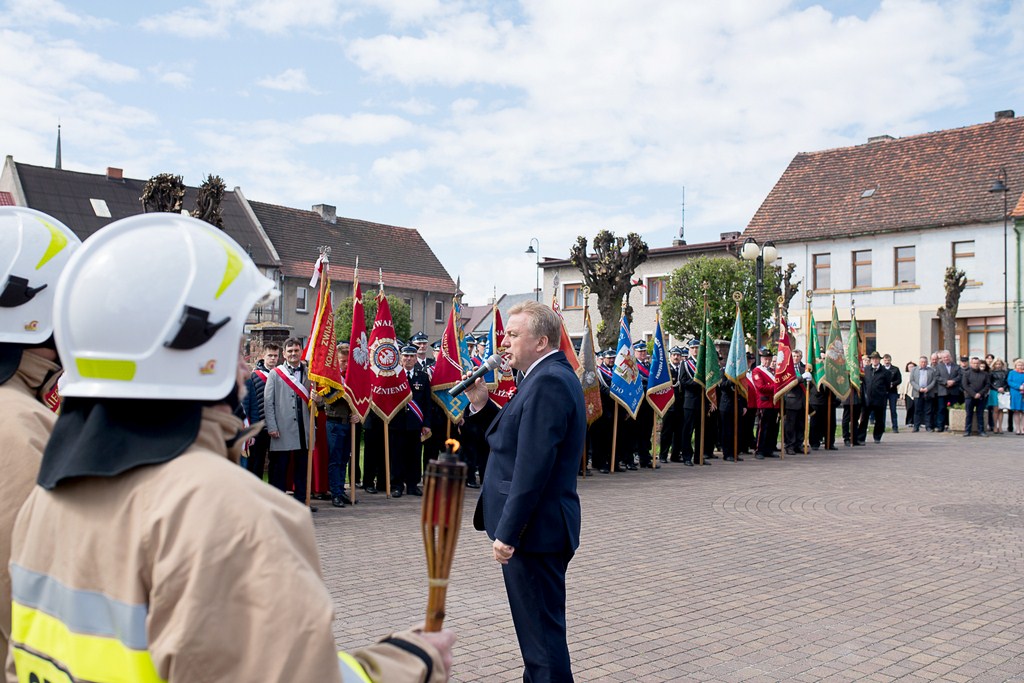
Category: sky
<point>487,124</point>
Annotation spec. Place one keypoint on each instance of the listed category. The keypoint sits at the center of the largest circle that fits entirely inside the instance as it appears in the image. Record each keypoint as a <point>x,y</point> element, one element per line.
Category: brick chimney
<point>1004,114</point>
<point>327,212</point>
<point>115,173</point>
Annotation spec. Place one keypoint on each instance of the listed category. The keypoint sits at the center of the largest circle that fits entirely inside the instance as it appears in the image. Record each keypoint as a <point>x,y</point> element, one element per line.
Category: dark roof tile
<point>65,195</point>
<point>405,257</point>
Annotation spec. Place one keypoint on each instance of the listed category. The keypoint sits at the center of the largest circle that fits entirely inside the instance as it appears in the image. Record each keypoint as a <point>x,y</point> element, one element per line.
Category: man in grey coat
<point>949,392</point>
<point>923,382</point>
<point>286,410</point>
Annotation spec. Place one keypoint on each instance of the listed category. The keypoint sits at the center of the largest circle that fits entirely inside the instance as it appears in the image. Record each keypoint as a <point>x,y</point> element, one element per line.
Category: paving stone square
<point>900,561</point>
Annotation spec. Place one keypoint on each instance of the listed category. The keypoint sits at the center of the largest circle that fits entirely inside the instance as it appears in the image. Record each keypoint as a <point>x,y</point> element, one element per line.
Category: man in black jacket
<point>896,380</point>
<point>253,406</point>
<point>875,390</point>
<point>976,384</point>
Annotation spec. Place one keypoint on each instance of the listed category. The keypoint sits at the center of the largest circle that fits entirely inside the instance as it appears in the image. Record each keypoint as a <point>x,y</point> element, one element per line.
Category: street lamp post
<point>759,254</point>
<point>1000,186</point>
<point>531,250</point>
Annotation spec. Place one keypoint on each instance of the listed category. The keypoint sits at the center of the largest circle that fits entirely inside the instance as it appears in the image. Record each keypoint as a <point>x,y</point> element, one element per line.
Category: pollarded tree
<point>211,193</point>
<point>955,282</point>
<point>682,309</point>
<point>163,192</point>
<point>608,273</point>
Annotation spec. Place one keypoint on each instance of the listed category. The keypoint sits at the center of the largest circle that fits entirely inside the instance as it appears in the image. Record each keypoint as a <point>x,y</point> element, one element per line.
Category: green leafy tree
<point>399,315</point>
<point>682,309</point>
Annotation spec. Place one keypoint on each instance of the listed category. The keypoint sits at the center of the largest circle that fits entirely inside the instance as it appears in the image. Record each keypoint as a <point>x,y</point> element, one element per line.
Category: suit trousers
<point>643,433</point>
<point>866,413</point>
<point>891,400</point>
<point>793,429</point>
<point>339,443</point>
<point>257,459</point>
<point>688,426</point>
<point>924,412</point>
<point>671,434</point>
<point>823,426</point>
<point>279,462</point>
<point>767,431</point>
<point>535,583</point>
<point>976,409</point>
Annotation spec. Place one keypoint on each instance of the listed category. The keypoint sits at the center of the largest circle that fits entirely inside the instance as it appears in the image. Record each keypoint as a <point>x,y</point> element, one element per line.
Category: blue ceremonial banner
<point>736,365</point>
<point>490,378</point>
<point>464,354</point>
<point>660,394</point>
<point>627,389</point>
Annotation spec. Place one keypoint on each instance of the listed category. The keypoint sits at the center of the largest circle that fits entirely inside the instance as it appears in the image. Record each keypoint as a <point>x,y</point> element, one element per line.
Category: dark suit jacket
<point>528,499</point>
<point>876,385</point>
<point>953,373</point>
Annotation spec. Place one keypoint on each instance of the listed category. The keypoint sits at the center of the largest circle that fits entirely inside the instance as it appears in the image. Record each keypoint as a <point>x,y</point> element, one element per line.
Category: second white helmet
<point>34,248</point>
<point>153,307</point>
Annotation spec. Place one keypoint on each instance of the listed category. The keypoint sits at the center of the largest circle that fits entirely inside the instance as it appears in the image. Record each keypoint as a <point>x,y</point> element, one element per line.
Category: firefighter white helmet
<point>153,307</point>
<point>34,248</point>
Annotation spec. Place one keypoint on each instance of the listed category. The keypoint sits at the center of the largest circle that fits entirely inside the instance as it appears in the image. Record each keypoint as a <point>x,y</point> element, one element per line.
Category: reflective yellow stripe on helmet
<point>351,671</point>
<point>106,368</point>
<point>58,241</point>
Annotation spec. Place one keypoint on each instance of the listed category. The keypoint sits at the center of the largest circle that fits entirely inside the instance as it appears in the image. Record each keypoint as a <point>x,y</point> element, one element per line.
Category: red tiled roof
<point>922,181</point>
<point>407,261</point>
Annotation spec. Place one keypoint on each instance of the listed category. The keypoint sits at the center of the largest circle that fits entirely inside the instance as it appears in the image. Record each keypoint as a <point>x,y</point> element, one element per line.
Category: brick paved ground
<point>895,562</point>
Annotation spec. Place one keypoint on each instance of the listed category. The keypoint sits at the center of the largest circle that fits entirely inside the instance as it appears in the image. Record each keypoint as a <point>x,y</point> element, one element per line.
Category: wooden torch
<point>443,493</point>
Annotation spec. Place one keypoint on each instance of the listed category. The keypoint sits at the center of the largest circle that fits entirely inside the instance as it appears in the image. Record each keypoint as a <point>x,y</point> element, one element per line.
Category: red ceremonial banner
<point>358,375</point>
<point>506,387</point>
<point>785,371</point>
<point>565,343</point>
<point>322,352</point>
<point>390,386</point>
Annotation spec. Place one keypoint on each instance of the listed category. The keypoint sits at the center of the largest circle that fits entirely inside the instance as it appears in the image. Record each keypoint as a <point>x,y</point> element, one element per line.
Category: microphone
<point>490,364</point>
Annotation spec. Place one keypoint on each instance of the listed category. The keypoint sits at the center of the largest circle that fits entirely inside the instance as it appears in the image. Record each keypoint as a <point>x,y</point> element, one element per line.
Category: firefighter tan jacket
<point>204,573</point>
<point>25,425</point>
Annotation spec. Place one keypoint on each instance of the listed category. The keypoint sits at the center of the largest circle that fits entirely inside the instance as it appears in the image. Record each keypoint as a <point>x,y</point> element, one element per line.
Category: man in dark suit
<point>875,389</point>
<point>528,503</point>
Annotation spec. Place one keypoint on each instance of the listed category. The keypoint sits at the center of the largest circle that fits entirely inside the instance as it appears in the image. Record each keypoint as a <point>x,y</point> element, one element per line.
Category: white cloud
<point>43,12</point>
<point>218,18</point>
<point>289,80</point>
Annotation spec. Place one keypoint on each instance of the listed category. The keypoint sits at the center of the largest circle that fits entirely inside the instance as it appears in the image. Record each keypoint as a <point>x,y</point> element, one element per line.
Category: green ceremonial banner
<point>814,364</point>
<point>853,354</point>
<point>709,372</point>
<point>834,375</point>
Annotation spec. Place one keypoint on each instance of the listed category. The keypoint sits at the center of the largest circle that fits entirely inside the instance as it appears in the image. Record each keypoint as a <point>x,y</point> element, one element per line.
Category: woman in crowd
<point>998,389</point>
<point>1015,385</point>
<point>908,399</point>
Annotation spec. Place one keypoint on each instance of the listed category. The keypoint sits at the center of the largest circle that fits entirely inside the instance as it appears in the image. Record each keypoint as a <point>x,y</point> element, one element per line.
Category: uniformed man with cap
<point>163,560</point>
<point>671,441</point>
<point>411,426</point>
<point>422,343</point>
<point>601,430</point>
<point>691,391</point>
<point>645,413</point>
<point>763,380</point>
<point>34,248</point>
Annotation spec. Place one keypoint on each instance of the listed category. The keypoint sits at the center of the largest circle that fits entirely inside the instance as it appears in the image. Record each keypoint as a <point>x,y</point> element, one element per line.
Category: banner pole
<point>735,423</point>
<point>615,436</point>
<point>782,423</point>
<point>807,417</point>
<point>387,460</point>
<point>354,455</point>
<point>703,409</point>
<point>654,432</point>
<point>310,447</point>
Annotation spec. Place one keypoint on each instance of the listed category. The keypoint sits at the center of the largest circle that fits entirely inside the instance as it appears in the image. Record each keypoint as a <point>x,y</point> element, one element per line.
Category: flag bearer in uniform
<point>145,554</point>
<point>34,248</point>
<point>644,414</point>
<point>601,430</point>
<point>763,380</point>
<point>412,425</point>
